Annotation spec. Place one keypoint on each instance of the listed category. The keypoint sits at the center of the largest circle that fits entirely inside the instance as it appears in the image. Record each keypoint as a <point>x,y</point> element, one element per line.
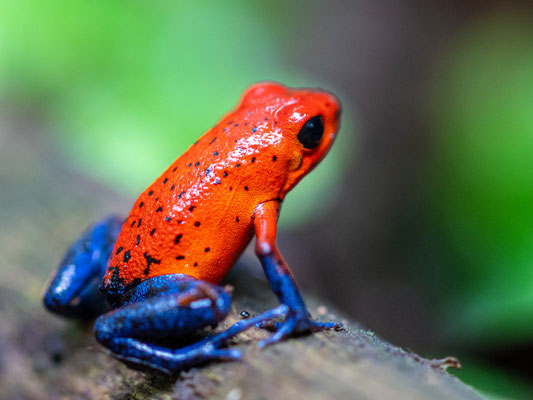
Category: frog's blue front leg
<point>73,290</point>
<point>171,306</point>
<point>280,278</point>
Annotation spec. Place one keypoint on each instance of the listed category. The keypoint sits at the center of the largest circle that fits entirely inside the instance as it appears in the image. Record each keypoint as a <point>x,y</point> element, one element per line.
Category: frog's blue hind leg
<point>171,306</point>
<point>73,291</point>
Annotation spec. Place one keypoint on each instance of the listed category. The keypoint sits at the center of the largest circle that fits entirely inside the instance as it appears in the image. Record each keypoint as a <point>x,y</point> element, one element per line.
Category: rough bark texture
<point>43,204</point>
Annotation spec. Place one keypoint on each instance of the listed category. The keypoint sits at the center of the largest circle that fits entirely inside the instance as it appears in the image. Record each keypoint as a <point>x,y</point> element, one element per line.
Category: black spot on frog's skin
<point>237,219</point>
<point>178,238</point>
<point>207,171</point>
<point>174,169</point>
<point>173,187</point>
<point>168,219</point>
<point>230,188</point>
<point>149,261</point>
<point>274,158</point>
<point>207,249</point>
<point>246,124</point>
<point>266,119</point>
<point>197,224</point>
<point>246,188</point>
<point>191,208</point>
<point>236,125</point>
<point>180,257</point>
<point>225,129</point>
<point>157,198</point>
<point>139,223</point>
<point>181,194</point>
<point>181,222</point>
<point>152,232</point>
<point>133,223</point>
<point>252,160</point>
<point>238,165</point>
<point>138,239</point>
<point>141,204</point>
<point>230,122</point>
<point>254,129</point>
<point>195,264</point>
<point>188,165</point>
<point>211,142</point>
<point>165,181</point>
<point>225,174</point>
<point>197,163</point>
<point>151,192</point>
<point>159,209</point>
<point>215,153</point>
<point>119,250</point>
<point>217,181</point>
<point>127,256</point>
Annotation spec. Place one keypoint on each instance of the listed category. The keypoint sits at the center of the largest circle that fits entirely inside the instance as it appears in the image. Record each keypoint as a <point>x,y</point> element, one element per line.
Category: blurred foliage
<point>481,182</point>
<point>129,85</point>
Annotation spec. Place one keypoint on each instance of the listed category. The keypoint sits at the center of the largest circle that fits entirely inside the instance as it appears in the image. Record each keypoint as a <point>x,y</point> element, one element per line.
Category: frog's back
<point>196,218</point>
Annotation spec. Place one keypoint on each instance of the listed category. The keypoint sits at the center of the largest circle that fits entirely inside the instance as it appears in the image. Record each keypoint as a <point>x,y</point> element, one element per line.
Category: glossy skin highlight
<point>189,227</point>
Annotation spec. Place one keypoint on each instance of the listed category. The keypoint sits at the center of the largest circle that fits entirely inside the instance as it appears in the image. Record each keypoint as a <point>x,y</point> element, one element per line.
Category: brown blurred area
<point>360,255</point>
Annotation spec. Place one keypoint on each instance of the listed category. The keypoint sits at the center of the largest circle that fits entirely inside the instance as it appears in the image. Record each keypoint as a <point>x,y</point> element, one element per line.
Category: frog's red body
<point>161,266</point>
<point>196,218</point>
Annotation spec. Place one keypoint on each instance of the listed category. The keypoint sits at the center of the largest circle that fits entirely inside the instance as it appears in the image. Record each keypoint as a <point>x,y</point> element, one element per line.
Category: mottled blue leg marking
<point>73,291</point>
<point>171,306</point>
<point>298,319</point>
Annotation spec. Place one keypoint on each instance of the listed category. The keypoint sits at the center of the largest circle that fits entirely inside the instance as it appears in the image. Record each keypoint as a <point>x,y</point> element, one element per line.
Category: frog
<point>156,274</point>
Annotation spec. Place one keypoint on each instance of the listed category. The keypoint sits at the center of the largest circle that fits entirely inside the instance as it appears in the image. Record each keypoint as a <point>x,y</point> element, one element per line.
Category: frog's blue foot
<point>171,306</point>
<point>294,326</point>
<point>298,320</point>
<point>73,291</point>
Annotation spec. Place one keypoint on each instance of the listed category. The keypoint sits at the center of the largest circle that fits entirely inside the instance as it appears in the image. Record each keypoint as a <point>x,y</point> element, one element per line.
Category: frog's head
<point>305,120</point>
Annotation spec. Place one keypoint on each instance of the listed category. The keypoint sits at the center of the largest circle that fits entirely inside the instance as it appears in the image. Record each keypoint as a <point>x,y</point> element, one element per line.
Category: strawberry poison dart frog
<point>155,274</point>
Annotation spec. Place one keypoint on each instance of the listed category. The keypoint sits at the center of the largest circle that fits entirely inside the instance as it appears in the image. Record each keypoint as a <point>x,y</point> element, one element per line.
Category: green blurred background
<point>420,222</point>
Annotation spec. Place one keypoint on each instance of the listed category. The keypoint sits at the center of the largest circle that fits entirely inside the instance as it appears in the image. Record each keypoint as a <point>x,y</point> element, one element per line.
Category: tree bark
<point>45,357</point>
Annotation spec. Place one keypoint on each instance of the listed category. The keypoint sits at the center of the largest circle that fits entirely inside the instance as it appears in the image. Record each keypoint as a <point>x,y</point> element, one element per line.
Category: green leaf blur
<point>128,86</point>
<point>481,187</point>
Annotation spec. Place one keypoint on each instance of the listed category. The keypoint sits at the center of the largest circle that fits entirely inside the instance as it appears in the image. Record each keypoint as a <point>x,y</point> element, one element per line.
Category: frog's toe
<point>294,326</point>
<point>286,329</point>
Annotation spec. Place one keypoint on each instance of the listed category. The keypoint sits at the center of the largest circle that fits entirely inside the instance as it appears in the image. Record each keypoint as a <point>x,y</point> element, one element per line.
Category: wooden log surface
<point>44,205</point>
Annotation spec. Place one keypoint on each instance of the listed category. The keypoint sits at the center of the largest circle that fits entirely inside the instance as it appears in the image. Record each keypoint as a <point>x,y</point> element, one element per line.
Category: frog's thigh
<point>164,306</point>
<point>170,306</point>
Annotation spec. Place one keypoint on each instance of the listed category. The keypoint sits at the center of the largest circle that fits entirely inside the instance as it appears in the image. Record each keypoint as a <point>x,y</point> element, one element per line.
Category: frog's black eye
<point>311,132</point>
